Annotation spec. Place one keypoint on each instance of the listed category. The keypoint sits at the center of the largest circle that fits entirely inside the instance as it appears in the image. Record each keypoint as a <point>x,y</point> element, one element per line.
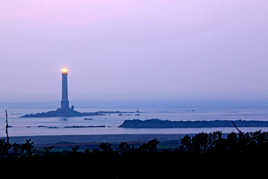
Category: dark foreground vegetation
<point>203,153</point>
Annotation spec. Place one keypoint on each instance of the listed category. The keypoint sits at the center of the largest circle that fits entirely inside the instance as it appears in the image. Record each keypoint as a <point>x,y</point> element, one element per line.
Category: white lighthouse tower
<point>64,99</point>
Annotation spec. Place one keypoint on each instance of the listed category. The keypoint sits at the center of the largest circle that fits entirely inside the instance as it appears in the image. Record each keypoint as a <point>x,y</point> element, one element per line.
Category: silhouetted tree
<point>106,147</point>
<point>151,146</point>
<point>27,147</point>
<point>124,148</point>
<point>200,142</point>
<point>186,143</point>
<point>75,149</point>
<point>15,147</point>
<point>48,150</point>
<point>4,147</point>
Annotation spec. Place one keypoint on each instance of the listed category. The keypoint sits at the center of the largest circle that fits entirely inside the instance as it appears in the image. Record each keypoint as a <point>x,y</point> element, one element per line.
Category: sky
<point>134,49</point>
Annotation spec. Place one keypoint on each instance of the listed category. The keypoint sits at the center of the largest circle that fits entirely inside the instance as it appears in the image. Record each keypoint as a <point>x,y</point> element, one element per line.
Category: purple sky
<point>134,49</point>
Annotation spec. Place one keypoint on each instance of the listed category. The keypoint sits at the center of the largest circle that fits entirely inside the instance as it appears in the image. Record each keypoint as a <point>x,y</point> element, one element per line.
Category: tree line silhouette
<point>204,152</point>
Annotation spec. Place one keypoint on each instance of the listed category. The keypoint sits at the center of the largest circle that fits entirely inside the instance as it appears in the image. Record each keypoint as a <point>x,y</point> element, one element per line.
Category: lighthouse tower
<point>64,99</point>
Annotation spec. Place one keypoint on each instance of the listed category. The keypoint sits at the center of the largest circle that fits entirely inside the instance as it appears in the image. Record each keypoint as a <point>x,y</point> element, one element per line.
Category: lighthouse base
<point>62,113</point>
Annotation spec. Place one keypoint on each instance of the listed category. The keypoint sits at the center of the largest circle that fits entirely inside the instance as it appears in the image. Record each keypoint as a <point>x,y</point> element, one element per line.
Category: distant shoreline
<point>162,124</point>
<point>110,138</point>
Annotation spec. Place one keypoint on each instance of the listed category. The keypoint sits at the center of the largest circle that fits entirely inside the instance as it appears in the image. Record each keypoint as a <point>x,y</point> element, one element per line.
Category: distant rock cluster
<point>72,127</point>
<point>70,113</point>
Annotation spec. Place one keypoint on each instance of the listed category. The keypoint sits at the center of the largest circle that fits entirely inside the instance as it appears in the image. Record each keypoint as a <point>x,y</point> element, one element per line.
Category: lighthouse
<point>64,98</point>
<point>65,110</point>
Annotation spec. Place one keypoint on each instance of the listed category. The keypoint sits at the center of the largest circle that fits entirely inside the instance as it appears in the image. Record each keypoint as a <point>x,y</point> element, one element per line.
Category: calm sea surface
<point>55,126</point>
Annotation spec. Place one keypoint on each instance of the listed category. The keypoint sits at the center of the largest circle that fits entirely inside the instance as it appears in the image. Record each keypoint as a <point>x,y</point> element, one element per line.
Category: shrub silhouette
<point>124,148</point>
<point>4,147</point>
<point>27,147</point>
<point>106,147</point>
<point>151,146</point>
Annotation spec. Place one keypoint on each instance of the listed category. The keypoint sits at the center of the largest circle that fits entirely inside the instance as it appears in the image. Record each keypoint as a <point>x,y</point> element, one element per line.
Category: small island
<point>70,112</point>
<point>62,113</point>
<point>157,123</point>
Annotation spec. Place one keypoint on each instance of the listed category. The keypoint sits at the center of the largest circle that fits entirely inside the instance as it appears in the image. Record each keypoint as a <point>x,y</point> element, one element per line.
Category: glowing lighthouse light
<point>64,70</point>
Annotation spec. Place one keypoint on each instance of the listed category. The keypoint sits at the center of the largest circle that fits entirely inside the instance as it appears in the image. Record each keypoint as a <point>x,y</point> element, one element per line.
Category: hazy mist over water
<point>145,104</point>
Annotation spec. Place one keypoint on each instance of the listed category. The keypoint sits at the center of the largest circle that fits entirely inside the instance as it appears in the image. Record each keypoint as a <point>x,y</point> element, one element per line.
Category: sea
<point>109,124</point>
